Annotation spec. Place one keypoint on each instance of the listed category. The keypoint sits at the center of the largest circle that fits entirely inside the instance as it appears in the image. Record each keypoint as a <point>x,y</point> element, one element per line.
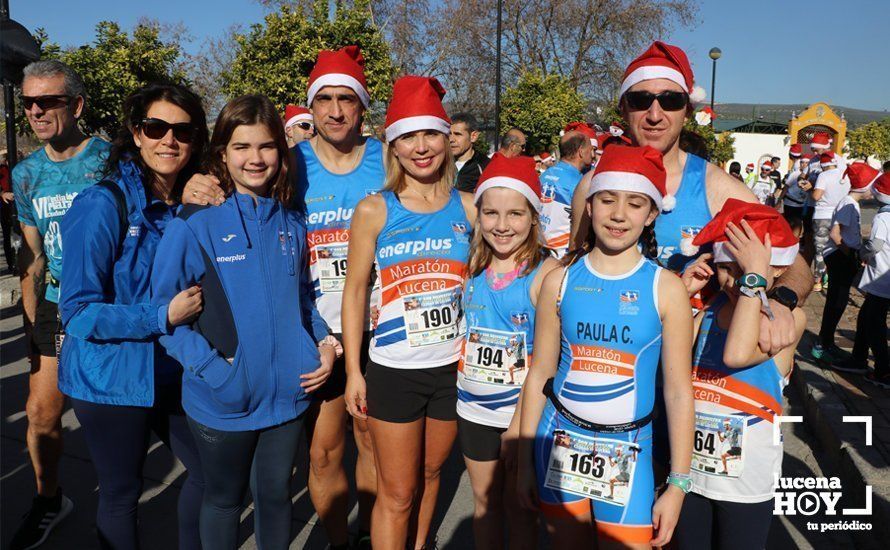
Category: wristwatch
<point>784,296</point>
<point>683,481</point>
<point>753,285</point>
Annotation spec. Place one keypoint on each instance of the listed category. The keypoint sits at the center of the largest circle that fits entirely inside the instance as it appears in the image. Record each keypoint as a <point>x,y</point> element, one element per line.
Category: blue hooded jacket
<point>111,353</point>
<point>259,328</point>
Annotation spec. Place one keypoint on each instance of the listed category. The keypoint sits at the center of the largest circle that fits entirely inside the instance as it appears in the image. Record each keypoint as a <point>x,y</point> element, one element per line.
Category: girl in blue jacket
<point>259,347</point>
<point>122,383</point>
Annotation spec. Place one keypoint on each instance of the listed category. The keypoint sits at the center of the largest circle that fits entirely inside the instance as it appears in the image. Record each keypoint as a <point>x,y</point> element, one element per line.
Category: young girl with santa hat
<point>604,325</point>
<point>738,387</point>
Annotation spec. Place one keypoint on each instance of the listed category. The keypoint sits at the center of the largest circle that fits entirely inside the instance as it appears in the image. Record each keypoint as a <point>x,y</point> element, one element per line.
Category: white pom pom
<point>687,248</point>
<point>668,203</point>
<point>562,133</point>
<point>698,94</point>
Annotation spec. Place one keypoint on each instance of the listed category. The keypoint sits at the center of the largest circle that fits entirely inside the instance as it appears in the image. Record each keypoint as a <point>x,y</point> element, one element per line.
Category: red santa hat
<point>766,165</point>
<point>294,114</point>
<point>517,173</point>
<point>796,151</point>
<point>662,61</point>
<point>861,176</point>
<point>827,159</point>
<point>344,67</point>
<point>580,127</point>
<point>820,141</point>
<point>881,188</point>
<point>416,105</point>
<point>634,169</point>
<point>749,166</point>
<point>764,220</point>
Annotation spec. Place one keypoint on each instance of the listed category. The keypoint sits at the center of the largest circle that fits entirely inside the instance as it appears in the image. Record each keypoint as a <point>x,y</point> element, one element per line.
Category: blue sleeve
<point>90,230</point>
<point>179,264</point>
<point>19,179</point>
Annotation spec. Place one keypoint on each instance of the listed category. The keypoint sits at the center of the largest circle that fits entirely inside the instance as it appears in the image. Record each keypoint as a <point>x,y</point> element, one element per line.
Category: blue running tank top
<point>611,342</point>
<point>687,218</point>
<point>44,189</point>
<point>497,349</point>
<point>734,458</point>
<point>421,261</point>
<point>330,201</point>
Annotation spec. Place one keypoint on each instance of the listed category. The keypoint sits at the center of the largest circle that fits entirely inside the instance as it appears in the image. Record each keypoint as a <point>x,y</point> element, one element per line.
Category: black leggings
<point>118,439</point>
<point>706,523</point>
<point>871,332</point>
<point>841,271</point>
<point>226,458</point>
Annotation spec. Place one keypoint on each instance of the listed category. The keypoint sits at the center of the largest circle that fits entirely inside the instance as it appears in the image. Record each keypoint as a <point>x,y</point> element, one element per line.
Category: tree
<point>541,105</point>
<point>275,58</point>
<point>872,139</point>
<point>718,148</point>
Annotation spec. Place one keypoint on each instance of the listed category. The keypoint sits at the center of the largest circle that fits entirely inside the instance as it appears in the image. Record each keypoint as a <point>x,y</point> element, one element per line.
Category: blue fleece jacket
<point>242,359</point>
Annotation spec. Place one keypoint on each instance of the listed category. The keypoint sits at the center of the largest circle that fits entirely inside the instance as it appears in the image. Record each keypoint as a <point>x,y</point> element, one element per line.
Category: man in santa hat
<point>656,96</point>
<point>793,197</point>
<point>334,171</point>
<point>298,124</point>
<point>763,187</point>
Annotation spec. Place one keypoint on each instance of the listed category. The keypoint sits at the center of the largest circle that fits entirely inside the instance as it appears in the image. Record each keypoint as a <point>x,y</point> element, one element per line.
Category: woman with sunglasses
<point>122,383</point>
<point>260,347</point>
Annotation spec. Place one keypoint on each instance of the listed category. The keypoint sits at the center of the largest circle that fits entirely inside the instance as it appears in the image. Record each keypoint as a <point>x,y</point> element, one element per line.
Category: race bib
<point>597,468</point>
<point>331,266</point>
<point>495,357</point>
<point>432,317</point>
<point>718,445</point>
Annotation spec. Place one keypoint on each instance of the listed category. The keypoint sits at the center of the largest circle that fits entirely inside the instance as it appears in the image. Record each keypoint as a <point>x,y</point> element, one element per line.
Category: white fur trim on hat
<point>415,123</point>
<point>624,181</point>
<point>297,118</point>
<point>819,146</point>
<point>338,79</point>
<point>880,197</point>
<point>668,203</point>
<point>651,72</point>
<point>780,256</point>
<point>508,183</point>
<point>687,248</point>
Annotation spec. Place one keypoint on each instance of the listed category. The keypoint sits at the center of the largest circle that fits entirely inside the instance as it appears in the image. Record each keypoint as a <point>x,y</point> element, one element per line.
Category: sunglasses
<point>305,126</point>
<point>669,101</point>
<point>155,128</point>
<point>46,102</point>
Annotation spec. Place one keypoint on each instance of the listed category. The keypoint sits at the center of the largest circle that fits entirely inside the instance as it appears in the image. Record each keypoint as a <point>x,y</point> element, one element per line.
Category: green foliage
<point>114,66</point>
<point>541,105</point>
<point>870,139</point>
<point>720,146</point>
<point>275,58</point>
<point>482,145</point>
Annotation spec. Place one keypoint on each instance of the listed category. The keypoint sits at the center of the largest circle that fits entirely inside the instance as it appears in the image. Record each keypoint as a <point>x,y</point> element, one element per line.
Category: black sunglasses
<point>306,126</point>
<point>46,102</point>
<point>155,128</point>
<point>669,101</point>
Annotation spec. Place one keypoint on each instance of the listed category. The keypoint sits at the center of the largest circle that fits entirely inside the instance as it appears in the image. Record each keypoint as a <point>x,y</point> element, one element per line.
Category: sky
<point>774,51</point>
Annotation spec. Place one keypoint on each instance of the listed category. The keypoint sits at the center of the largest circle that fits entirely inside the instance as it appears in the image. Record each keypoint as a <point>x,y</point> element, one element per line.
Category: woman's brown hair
<point>531,251</point>
<point>249,110</point>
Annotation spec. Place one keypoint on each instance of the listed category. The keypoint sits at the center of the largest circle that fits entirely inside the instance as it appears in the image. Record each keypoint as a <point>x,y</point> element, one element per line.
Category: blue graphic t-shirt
<point>44,190</point>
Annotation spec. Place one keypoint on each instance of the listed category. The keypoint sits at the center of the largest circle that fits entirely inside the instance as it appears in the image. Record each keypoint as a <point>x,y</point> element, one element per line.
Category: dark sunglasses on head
<point>669,101</point>
<point>155,128</point>
<point>46,102</point>
<point>305,126</point>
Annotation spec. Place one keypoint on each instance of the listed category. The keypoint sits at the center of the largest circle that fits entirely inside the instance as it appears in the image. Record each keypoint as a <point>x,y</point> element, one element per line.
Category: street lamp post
<point>714,54</point>
<point>497,83</point>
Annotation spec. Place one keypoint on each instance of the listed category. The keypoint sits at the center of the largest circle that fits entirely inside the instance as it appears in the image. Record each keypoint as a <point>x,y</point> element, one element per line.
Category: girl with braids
<point>507,266</point>
<point>604,323</point>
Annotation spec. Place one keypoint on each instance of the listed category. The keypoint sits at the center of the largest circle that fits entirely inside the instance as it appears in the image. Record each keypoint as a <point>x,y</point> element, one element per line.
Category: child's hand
<point>697,274</point>
<point>751,255</point>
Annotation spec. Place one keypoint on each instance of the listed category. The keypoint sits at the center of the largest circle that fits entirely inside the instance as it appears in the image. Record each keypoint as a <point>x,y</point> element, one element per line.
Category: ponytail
<point>648,243</point>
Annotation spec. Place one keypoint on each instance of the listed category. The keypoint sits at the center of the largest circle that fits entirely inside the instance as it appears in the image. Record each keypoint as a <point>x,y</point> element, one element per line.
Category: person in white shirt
<point>871,326</point>
<point>841,254</point>
<point>828,191</point>
<point>764,186</point>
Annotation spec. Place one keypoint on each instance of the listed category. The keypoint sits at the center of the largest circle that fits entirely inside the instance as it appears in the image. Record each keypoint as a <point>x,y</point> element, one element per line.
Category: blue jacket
<point>243,357</point>
<point>111,354</point>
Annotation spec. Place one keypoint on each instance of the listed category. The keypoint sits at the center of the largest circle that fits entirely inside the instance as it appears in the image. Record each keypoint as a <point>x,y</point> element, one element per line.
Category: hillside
<point>782,113</point>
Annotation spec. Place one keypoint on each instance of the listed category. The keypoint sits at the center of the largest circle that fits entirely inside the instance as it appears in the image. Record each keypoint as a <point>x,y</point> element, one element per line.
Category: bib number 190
<point>435,318</point>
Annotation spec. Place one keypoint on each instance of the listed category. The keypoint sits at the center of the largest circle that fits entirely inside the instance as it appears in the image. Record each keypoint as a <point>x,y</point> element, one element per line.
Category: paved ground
<point>803,458</point>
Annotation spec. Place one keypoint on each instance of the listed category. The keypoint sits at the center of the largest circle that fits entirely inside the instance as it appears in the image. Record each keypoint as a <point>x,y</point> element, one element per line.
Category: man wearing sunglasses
<point>298,124</point>
<point>44,185</point>
<point>334,171</point>
<point>654,103</point>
